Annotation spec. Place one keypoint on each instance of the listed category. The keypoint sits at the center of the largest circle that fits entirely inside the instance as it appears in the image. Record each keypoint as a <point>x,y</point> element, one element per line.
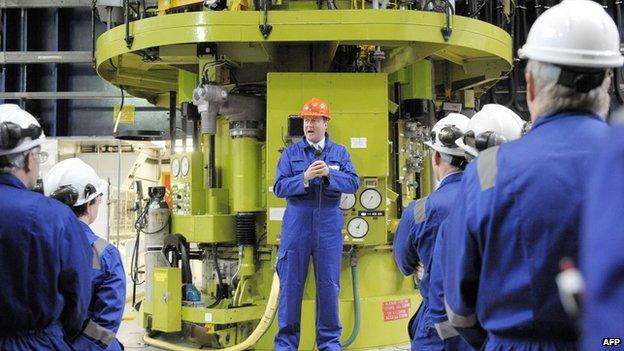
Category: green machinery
<point>238,77</point>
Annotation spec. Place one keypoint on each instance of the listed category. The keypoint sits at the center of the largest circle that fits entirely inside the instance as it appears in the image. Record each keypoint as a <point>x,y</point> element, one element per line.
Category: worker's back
<point>528,221</point>
<point>45,269</point>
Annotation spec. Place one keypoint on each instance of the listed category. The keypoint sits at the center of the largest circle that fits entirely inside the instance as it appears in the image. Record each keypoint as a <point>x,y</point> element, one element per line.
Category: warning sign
<point>397,309</point>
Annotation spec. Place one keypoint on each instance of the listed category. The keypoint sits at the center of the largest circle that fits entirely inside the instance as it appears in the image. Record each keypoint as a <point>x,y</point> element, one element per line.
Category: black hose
<point>511,93</point>
<point>211,163</point>
<point>176,243</point>
<point>184,257</point>
<point>221,294</point>
<point>538,8</point>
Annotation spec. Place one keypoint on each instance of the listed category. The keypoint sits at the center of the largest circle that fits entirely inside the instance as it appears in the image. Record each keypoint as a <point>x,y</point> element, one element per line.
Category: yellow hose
<point>263,326</point>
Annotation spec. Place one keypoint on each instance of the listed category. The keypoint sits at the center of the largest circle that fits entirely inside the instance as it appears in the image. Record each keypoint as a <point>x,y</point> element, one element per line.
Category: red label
<point>397,309</point>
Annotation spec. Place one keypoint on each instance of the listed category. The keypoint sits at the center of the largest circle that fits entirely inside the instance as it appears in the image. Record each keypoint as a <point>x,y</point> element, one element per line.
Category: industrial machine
<point>238,72</point>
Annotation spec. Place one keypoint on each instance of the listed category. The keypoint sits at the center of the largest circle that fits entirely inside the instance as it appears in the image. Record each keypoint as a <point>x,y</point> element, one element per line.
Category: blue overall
<point>45,269</point>
<point>413,243</point>
<point>109,297</point>
<point>602,248</point>
<point>311,225</point>
<point>437,312</point>
<point>519,213</point>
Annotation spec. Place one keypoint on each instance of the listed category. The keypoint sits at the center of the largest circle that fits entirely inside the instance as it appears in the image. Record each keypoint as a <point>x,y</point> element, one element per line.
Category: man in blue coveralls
<point>44,261</point>
<point>602,248</point>
<point>520,204</point>
<point>416,234</point>
<point>76,184</point>
<point>312,174</point>
<point>492,125</point>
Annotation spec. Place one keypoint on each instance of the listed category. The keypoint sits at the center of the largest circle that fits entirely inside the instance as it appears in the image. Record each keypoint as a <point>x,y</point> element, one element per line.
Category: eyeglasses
<point>42,156</point>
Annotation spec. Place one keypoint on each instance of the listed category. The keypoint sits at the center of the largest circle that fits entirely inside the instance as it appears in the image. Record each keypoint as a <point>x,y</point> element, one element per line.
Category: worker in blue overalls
<point>76,184</point>
<point>312,174</point>
<point>416,234</point>
<point>519,212</point>
<point>602,245</point>
<point>44,262</point>
<point>492,125</point>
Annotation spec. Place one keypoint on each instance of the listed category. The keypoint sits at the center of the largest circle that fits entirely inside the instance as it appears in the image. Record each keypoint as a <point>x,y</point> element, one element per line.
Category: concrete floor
<point>131,335</point>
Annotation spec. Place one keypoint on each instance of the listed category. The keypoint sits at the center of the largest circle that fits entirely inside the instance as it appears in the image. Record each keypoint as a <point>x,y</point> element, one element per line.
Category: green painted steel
<point>359,107</point>
<point>417,56</point>
<point>416,80</point>
<point>167,302</point>
<point>209,228</point>
<point>477,49</point>
<point>245,183</point>
<point>248,266</point>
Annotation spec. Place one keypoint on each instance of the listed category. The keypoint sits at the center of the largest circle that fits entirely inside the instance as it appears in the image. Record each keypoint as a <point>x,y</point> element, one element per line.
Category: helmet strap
<point>581,79</point>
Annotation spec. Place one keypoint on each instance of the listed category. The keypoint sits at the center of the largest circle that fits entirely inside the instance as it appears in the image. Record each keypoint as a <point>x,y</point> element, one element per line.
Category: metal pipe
<point>24,47</point>
<point>395,129</point>
<point>128,38</point>
<point>118,190</point>
<point>211,163</point>
<point>93,32</point>
<point>172,118</point>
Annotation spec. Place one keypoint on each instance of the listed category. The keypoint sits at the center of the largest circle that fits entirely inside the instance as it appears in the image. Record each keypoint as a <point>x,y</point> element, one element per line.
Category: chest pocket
<point>298,166</point>
<point>334,163</point>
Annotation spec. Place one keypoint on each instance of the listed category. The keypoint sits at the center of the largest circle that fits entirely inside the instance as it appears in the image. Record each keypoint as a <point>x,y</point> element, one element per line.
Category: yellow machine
<point>239,77</point>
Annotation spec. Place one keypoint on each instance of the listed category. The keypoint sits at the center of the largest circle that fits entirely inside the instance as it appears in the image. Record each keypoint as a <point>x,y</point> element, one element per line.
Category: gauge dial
<point>175,167</point>
<point>185,166</point>
<point>357,227</point>
<point>347,201</point>
<point>370,199</point>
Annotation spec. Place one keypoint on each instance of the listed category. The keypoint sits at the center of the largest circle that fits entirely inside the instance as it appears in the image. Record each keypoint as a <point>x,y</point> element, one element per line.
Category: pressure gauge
<point>175,167</point>
<point>357,227</point>
<point>185,166</point>
<point>347,201</point>
<point>370,199</point>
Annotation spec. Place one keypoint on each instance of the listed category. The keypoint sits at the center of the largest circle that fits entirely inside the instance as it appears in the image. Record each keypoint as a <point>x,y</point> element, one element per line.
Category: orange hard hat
<point>315,107</point>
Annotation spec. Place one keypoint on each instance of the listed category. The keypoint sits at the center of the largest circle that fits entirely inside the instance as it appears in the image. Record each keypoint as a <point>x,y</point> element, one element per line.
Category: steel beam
<point>22,4</point>
<point>24,57</point>
<point>62,95</point>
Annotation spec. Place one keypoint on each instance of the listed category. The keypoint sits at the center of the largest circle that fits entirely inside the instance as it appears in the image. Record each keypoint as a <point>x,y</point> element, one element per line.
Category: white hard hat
<point>73,176</point>
<point>574,33</point>
<point>444,133</point>
<point>19,130</point>
<point>493,125</point>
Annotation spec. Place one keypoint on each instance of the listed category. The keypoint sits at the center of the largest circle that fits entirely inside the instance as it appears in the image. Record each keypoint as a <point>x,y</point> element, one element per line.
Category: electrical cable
<point>485,2</point>
<point>221,294</point>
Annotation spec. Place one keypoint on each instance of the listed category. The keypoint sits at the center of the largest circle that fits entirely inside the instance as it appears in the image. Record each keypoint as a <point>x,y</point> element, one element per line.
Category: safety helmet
<point>315,107</point>
<point>493,125</point>
<point>19,130</point>
<point>73,182</point>
<point>575,33</point>
<point>446,131</point>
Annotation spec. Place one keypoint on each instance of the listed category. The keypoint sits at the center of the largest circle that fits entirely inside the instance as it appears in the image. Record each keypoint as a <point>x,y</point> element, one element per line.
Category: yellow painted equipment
<point>246,72</point>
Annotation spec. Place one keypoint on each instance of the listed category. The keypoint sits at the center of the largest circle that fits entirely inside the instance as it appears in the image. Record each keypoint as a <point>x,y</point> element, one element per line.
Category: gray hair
<point>15,161</point>
<point>552,97</point>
